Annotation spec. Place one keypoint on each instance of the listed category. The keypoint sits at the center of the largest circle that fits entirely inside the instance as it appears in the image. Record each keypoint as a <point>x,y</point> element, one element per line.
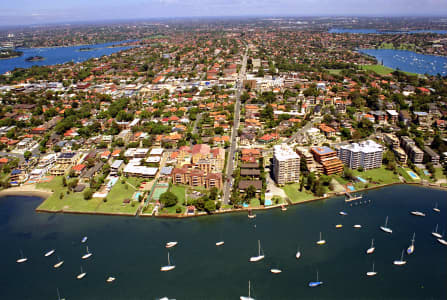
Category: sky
<point>24,12</point>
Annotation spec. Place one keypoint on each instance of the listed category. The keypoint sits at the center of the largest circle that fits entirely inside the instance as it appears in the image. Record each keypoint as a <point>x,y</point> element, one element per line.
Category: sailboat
<point>169,267</point>
<point>410,249</point>
<point>220,243</point>
<point>357,226</point>
<point>371,273</point>
<point>171,244</point>
<point>436,209</point>
<point>298,253</point>
<point>87,255</point>
<point>436,234</point>
<point>22,259</point>
<point>110,279</point>
<point>342,213</point>
<point>315,283</point>
<point>81,275</point>
<point>59,295</point>
<point>59,263</point>
<point>321,241</point>
<point>400,262</point>
<point>49,253</point>
<point>275,271</point>
<point>259,256</point>
<point>245,297</point>
<point>442,241</point>
<point>372,248</point>
<point>417,213</point>
<point>385,228</point>
<point>84,239</point>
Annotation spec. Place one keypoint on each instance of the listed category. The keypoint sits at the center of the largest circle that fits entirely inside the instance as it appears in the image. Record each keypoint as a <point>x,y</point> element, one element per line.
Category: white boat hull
<point>246,298</point>
<point>49,253</point>
<point>21,260</point>
<point>256,258</point>
<point>370,250</point>
<point>371,273</point>
<point>399,262</point>
<point>58,264</point>
<point>167,268</point>
<point>437,235</point>
<point>417,213</point>
<point>338,226</point>
<point>444,242</point>
<point>171,244</point>
<point>343,213</point>
<point>85,256</point>
<point>386,229</point>
<point>220,243</point>
<point>251,216</point>
<point>315,283</point>
<point>357,226</point>
<point>275,271</point>
<point>321,242</point>
<point>80,276</point>
<point>298,255</point>
<point>110,279</point>
<point>436,209</point>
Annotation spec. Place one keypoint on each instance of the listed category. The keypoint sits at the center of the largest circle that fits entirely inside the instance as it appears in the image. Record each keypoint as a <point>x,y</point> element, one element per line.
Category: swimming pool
<point>352,188</point>
<point>268,202</point>
<point>413,175</point>
<point>361,179</point>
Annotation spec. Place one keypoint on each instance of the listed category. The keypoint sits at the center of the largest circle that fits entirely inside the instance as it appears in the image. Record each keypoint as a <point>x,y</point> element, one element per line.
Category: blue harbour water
<point>378,31</point>
<point>132,250</point>
<point>59,55</point>
<point>409,61</point>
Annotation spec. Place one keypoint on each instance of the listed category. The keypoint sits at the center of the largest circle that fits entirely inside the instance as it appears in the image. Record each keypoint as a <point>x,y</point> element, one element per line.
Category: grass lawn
<point>70,202</point>
<point>379,176</point>
<point>293,192</point>
<point>404,174</point>
<point>439,174</point>
<point>76,201</point>
<point>254,202</point>
<point>116,196</point>
<point>180,192</point>
<point>379,69</point>
<point>334,71</point>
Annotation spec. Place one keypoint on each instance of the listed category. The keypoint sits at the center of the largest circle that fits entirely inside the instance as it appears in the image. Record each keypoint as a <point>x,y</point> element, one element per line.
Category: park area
<point>64,200</point>
<point>293,193</point>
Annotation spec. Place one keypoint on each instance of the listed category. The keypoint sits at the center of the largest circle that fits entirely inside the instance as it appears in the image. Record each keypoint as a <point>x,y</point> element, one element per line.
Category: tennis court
<point>158,190</point>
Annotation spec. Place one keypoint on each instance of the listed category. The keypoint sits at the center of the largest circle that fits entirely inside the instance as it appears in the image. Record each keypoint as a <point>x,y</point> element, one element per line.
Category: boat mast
<point>249,289</point>
<point>259,247</point>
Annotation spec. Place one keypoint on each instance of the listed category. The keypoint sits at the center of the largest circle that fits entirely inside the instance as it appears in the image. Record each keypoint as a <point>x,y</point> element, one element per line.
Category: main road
<point>237,110</point>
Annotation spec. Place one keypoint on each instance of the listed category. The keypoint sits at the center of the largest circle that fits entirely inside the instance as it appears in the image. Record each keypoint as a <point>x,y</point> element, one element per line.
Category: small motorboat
<point>49,253</point>
<point>110,279</point>
<point>442,241</point>
<point>171,244</point>
<point>357,226</point>
<point>220,243</point>
<point>283,208</point>
<point>275,271</point>
<point>343,213</point>
<point>338,226</point>
<point>84,239</point>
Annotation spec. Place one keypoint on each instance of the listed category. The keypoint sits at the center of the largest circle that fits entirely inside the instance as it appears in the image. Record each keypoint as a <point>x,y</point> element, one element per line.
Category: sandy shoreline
<point>26,190</point>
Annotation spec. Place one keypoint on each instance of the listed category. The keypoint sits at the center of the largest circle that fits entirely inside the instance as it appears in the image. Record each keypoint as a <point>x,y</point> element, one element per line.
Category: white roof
<point>116,164</point>
<point>392,112</point>
<point>284,152</point>
<point>367,146</point>
<point>140,170</point>
<point>156,151</point>
<point>153,159</point>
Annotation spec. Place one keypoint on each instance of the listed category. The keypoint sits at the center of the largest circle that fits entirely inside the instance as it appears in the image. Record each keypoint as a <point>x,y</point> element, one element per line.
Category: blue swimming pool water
<point>352,188</point>
<point>268,202</point>
<point>411,173</point>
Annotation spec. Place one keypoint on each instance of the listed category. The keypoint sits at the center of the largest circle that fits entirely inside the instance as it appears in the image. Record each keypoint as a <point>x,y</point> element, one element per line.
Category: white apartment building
<point>367,154</point>
<point>286,164</point>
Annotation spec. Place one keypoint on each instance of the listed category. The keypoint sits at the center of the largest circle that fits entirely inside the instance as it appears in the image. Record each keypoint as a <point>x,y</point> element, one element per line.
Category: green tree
<point>27,155</point>
<point>88,193</point>
<point>168,199</point>
<point>210,206</point>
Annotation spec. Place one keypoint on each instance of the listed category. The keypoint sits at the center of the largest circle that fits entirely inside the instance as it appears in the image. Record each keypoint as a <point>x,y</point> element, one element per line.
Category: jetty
<point>349,197</point>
